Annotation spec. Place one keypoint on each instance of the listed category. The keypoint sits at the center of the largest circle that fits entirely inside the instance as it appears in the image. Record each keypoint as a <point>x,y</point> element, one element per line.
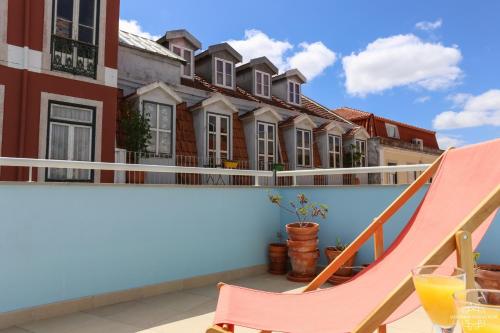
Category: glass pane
<point>290,92</point>
<point>150,112</point>
<point>259,89</point>
<point>299,139</point>
<point>330,143</point>
<point>220,66</point>
<point>266,90</point>
<point>71,113</point>
<point>176,50</point>
<point>64,28</point>
<point>261,131</point>
<point>307,157</point>
<point>82,144</point>
<point>187,55</point>
<point>220,78</point>
<point>259,78</point>
<point>152,142</point>
<point>164,143</point>
<point>211,123</point>
<point>223,143</point>
<point>211,141</point>
<point>224,124</point>
<point>187,69</point>
<point>229,80</point>
<point>165,113</point>
<point>307,141</point>
<point>270,132</point>
<point>86,16</point>
<point>261,147</point>
<point>266,79</point>
<point>270,148</point>
<point>65,9</point>
<point>262,163</point>
<point>220,72</point>
<point>299,157</point>
<point>331,160</point>
<point>337,144</point>
<point>85,34</point>
<point>337,160</point>
<point>59,140</point>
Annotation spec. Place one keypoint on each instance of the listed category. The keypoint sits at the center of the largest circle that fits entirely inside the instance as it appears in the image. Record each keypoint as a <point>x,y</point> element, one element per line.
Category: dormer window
<point>223,73</point>
<point>262,84</point>
<point>392,131</point>
<point>293,92</point>
<point>186,54</point>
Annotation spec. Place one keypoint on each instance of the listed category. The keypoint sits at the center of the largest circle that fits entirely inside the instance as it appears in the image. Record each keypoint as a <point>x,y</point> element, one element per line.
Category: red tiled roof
<point>319,110</point>
<point>375,125</point>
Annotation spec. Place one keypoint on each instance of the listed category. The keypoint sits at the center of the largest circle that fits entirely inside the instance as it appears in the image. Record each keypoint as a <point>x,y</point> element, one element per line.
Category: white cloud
<point>422,99</point>
<point>427,26</point>
<point>312,58</point>
<point>401,60</point>
<point>134,27</point>
<point>476,111</point>
<point>447,141</point>
<point>459,99</point>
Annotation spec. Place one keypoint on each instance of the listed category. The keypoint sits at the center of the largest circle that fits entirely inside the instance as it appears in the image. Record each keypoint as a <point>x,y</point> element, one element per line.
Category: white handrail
<point>64,164</point>
<point>342,171</point>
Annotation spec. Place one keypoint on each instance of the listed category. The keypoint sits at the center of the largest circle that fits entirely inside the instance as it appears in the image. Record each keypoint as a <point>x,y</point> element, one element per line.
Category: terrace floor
<point>186,311</point>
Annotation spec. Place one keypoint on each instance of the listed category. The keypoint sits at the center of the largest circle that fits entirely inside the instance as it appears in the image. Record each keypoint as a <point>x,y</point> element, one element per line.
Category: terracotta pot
<point>135,177</point>
<point>338,279</point>
<point>488,277</point>
<point>332,252</point>
<point>308,231</point>
<point>303,246</point>
<point>277,258</point>
<point>303,263</point>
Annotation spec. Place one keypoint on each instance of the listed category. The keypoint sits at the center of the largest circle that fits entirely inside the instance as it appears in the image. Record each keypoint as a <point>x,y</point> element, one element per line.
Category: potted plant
<point>302,236</point>
<point>278,256</point>
<point>351,159</point>
<point>345,272</point>
<point>488,277</point>
<point>135,136</point>
<point>278,166</point>
<point>230,164</point>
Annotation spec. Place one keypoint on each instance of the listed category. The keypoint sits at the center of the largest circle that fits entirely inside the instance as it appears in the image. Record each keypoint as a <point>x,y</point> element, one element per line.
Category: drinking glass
<point>478,310</point>
<point>435,286</point>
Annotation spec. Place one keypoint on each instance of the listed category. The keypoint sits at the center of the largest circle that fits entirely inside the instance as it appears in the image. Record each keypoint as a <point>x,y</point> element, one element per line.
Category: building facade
<point>58,84</point>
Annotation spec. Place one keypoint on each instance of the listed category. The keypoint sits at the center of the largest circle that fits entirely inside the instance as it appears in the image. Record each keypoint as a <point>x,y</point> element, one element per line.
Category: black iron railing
<point>73,57</point>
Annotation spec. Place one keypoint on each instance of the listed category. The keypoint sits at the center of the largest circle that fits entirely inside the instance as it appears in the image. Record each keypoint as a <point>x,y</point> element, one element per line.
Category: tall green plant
<point>135,128</point>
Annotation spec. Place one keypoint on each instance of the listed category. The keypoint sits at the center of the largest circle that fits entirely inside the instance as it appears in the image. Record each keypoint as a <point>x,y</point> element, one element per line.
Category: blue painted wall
<point>59,242</point>
<point>351,210</point>
<point>68,241</point>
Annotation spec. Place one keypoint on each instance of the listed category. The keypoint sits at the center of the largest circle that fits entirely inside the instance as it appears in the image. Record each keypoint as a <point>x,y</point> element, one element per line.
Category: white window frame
<point>191,60</point>
<point>224,73</point>
<point>71,124</point>
<point>303,148</point>
<point>332,152</point>
<point>358,144</point>
<point>394,128</point>
<point>263,74</point>
<point>392,177</point>
<point>265,155</point>
<point>218,134</point>
<point>159,130</point>
<point>295,95</point>
<point>419,142</point>
<point>76,18</point>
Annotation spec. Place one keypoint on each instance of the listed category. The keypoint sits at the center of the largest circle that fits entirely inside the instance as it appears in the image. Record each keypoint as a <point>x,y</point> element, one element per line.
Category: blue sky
<point>434,64</point>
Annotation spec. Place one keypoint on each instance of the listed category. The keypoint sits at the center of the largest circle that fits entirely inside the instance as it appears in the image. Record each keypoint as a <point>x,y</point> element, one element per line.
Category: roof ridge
<point>329,111</point>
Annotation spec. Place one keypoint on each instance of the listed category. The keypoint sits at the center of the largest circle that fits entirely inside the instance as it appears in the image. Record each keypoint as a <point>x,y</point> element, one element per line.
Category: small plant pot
<point>488,277</point>
<point>332,252</point>
<point>278,258</point>
<point>302,232</point>
<point>230,164</point>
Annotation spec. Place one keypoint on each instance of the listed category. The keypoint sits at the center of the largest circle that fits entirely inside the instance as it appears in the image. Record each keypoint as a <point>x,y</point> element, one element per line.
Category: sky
<point>432,64</point>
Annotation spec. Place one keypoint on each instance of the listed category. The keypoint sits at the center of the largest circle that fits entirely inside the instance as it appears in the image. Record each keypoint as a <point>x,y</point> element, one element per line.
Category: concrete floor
<point>187,311</point>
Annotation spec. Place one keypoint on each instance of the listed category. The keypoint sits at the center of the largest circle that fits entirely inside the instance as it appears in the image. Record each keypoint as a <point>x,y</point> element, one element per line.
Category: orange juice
<point>478,319</point>
<point>436,296</point>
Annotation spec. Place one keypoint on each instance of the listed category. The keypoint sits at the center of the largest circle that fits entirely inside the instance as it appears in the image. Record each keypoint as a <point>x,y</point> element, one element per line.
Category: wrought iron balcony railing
<point>73,57</point>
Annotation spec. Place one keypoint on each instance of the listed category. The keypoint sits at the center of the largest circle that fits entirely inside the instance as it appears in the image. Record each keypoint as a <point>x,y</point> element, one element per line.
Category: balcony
<point>396,143</point>
<point>72,56</point>
<point>147,258</point>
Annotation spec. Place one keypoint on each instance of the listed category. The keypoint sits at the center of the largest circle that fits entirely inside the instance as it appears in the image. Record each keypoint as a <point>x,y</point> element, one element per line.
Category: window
<point>70,137</point>
<point>334,151</point>
<point>392,131</point>
<point>186,54</point>
<point>160,120</point>
<point>218,139</point>
<point>293,92</point>
<point>361,149</point>
<point>223,73</point>
<point>262,84</point>
<point>266,145</point>
<point>75,36</point>
<point>392,176</point>
<point>418,142</point>
<point>303,148</point>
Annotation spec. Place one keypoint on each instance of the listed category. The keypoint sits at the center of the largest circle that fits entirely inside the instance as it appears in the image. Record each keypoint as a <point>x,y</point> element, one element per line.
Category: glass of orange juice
<point>435,286</point>
<point>478,310</point>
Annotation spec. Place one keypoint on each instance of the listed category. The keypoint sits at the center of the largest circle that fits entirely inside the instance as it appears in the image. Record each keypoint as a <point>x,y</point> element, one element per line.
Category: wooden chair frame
<point>459,239</point>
